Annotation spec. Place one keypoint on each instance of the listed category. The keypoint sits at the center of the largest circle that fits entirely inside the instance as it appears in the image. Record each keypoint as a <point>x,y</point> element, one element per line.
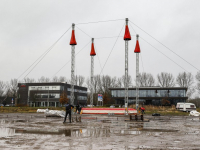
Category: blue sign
<point>100,97</point>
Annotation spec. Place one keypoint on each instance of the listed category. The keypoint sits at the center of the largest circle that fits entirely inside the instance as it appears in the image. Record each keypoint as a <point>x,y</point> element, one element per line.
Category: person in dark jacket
<point>142,110</point>
<point>77,107</point>
<point>68,111</point>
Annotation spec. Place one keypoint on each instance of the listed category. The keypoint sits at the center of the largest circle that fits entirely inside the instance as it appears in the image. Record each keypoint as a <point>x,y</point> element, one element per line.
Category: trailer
<point>185,107</point>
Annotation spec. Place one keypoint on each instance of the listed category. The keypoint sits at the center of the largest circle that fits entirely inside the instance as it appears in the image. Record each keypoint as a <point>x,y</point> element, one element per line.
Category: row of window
<point>79,97</point>
<point>150,93</point>
<point>77,90</point>
<point>47,95</point>
<point>82,97</point>
<point>54,88</point>
<point>44,87</point>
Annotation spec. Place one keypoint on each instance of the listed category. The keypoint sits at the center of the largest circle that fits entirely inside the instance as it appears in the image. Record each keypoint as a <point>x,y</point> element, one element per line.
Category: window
<point>114,93</point>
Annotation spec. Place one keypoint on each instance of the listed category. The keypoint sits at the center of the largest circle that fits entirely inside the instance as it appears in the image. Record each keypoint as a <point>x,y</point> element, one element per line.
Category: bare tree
<point>129,81</point>
<point>96,83</point>
<point>2,88</point>
<point>43,79</point>
<point>13,86</point>
<point>119,82</point>
<point>186,80</point>
<point>62,79</point>
<point>88,84</point>
<point>198,81</point>
<point>29,80</point>
<point>55,79</point>
<point>165,79</point>
<point>146,79</point>
<point>114,82</point>
<point>79,80</point>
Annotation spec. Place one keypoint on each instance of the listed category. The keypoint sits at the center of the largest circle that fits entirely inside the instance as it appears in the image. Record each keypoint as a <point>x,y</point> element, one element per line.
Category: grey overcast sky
<point>29,27</point>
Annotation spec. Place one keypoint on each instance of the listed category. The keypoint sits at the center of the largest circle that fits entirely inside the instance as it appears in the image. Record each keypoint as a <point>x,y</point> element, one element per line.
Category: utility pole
<point>72,43</point>
<point>92,54</point>
<point>127,37</point>
<point>137,51</point>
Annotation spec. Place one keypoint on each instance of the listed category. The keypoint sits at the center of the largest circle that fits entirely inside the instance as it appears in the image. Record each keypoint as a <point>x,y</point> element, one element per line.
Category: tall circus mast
<point>72,43</point>
<point>92,54</point>
<point>137,51</point>
<point>127,37</point>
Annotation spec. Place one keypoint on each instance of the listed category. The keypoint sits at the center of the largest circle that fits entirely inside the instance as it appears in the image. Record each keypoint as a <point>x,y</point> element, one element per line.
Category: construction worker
<point>142,110</point>
<point>68,111</point>
<point>77,107</point>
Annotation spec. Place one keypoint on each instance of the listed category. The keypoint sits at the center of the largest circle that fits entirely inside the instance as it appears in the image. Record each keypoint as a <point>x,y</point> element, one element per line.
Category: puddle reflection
<point>4,132</point>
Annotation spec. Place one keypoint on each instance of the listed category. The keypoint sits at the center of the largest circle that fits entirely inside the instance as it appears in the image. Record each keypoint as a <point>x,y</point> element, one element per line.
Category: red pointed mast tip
<point>127,35</point>
<point>73,39</point>
<point>137,46</point>
<point>92,53</point>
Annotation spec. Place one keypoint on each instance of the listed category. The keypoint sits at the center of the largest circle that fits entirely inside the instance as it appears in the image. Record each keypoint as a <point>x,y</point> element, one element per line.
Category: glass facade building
<point>48,94</point>
<point>151,95</point>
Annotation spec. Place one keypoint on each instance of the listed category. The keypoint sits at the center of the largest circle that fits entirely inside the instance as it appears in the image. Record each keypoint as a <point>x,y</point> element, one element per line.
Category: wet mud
<point>98,132</point>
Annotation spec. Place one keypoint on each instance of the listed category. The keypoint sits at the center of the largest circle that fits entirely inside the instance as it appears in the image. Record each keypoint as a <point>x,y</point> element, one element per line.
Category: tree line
<point>104,82</point>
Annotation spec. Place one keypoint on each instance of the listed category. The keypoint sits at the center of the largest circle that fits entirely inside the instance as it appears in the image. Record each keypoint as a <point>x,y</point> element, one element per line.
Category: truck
<point>187,107</point>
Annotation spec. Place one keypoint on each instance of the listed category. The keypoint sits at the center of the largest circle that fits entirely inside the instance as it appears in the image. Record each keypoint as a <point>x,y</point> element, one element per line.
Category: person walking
<point>77,108</point>
<point>68,111</point>
<point>142,110</point>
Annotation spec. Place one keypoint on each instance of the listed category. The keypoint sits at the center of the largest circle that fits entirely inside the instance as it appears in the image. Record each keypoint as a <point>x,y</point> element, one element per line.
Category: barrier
<point>117,111</point>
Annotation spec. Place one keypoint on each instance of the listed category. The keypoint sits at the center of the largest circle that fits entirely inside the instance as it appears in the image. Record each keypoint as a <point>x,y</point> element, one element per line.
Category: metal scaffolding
<point>127,37</point>
<point>72,43</point>
<point>91,84</point>
<point>137,51</point>
<point>92,54</point>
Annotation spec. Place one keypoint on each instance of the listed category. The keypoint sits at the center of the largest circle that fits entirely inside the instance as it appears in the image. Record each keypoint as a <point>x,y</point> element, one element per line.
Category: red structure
<point>137,47</point>
<point>73,39</point>
<point>92,53</point>
<point>116,111</point>
<point>127,35</point>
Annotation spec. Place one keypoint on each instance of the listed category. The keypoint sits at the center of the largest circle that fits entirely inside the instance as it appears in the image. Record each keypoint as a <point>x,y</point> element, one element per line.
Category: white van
<point>185,106</point>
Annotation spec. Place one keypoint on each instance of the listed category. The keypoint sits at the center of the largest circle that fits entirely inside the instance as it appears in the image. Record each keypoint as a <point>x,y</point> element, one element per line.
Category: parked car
<point>112,106</point>
<point>185,107</point>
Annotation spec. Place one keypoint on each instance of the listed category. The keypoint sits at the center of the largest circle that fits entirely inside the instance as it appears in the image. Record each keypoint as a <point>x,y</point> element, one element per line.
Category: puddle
<point>12,121</point>
<point>20,120</point>
<point>4,132</point>
<point>158,130</point>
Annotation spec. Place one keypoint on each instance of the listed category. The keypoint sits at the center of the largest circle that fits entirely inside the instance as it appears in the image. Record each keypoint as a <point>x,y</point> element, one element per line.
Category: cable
<point>132,28</point>
<point>98,57</point>
<point>142,61</point>
<point>70,59</point>
<point>165,46</point>
<point>163,54</point>
<point>83,32</point>
<point>44,54</point>
<point>99,21</point>
<point>111,50</point>
<point>107,37</point>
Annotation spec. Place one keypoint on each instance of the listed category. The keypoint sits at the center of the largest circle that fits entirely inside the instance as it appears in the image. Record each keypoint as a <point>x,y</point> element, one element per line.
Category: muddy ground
<point>95,132</point>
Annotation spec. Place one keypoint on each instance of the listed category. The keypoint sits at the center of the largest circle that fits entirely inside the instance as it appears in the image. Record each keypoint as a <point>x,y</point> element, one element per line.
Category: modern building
<point>151,95</point>
<point>48,94</point>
